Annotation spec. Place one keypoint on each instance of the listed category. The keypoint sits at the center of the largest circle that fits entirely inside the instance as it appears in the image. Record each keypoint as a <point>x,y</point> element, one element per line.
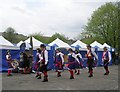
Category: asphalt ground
<point>81,82</point>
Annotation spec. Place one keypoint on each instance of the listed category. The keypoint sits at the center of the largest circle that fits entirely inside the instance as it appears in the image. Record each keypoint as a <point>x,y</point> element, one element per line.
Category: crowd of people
<point>75,62</point>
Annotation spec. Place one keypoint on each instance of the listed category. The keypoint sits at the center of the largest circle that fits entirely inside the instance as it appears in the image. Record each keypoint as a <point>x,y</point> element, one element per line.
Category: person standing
<point>78,64</point>
<point>72,62</point>
<point>26,63</point>
<point>91,55</point>
<point>9,60</point>
<point>59,61</point>
<point>21,62</point>
<point>44,62</point>
<point>37,65</point>
<point>106,58</point>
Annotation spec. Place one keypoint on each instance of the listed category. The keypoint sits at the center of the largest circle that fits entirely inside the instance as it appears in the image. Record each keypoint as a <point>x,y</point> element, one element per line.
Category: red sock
<point>91,72</point>
<point>37,73</point>
<point>59,73</point>
<point>107,70</point>
<point>71,73</point>
<point>45,74</point>
<point>78,72</point>
<point>9,72</point>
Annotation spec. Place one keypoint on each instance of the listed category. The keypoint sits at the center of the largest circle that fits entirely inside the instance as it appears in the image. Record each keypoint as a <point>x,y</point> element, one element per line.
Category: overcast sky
<point>47,16</point>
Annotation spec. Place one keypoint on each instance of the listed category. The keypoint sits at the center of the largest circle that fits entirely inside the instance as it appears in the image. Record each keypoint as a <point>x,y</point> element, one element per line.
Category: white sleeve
<point>80,55</point>
<point>6,56</point>
<point>109,55</point>
<point>40,57</point>
<point>95,55</point>
<point>73,55</point>
<point>61,55</point>
<point>46,56</point>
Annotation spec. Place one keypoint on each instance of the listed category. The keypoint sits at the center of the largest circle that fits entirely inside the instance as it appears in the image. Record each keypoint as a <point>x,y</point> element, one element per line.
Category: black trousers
<point>42,68</point>
<point>106,64</point>
<point>90,63</point>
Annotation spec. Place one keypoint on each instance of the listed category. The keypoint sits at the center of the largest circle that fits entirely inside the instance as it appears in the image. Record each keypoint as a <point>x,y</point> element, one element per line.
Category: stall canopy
<point>18,44</point>
<point>27,45</point>
<point>4,42</point>
<point>36,42</point>
<point>79,43</point>
<point>106,45</point>
<point>96,44</point>
<point>59,43</point>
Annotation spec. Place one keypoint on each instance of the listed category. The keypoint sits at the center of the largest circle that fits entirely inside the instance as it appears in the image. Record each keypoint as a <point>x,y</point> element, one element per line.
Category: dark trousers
<point>106,63</point>
<point>90,63</point>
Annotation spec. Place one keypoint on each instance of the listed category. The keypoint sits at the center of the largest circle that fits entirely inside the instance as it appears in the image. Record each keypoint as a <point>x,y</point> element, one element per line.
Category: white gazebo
<point>106,45</point>
<point>5,44</point>
<point>59,43</point>
<point>79,44</point>
<point>96,44</point>
<point>36,43</point>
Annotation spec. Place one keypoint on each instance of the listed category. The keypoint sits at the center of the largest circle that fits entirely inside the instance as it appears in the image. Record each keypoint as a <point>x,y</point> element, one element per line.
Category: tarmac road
<point>81,82</point>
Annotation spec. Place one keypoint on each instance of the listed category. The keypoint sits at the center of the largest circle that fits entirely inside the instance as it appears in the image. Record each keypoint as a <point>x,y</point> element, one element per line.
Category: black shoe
<point>36,75</point>
<point>106,73</point>
<point>78,73</point>
<point>75,71</point>
<point>9,75</point>
<point>90,75</point>
<point>45,80</point>
<point>39,77</point>
<point>58,75</point>
<point>71,77</point>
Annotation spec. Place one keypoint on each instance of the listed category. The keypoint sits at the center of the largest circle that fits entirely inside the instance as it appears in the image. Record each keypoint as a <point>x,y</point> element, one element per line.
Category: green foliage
<point>103,24</point>
<point>47,40</point>
<point>11,35</point>
<point>39,37</point>
<point>91,40</point>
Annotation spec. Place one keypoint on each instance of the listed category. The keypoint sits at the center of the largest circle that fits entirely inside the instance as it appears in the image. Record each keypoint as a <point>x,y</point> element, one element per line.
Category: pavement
<point>81,82</point>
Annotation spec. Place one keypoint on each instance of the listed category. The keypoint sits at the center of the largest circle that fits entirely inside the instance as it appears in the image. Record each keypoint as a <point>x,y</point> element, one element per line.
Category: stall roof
<point>79,43</point>
<point>59,43</point>
<point>35,42</point>
<point>4,42</point>
<point>96,44</point>
<point>106,45</point>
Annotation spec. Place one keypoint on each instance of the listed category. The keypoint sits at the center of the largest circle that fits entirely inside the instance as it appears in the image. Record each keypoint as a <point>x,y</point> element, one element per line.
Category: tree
<point>11,35</point>
<point>39,36</point>
<point>104,24</point>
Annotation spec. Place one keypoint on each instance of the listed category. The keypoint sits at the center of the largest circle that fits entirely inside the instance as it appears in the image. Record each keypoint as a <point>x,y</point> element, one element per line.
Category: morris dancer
<point>59,61</point>
<point>44,62</point>
<point>9,60</point>
<point>37,65</point>
<point>106,58</point>
<point>71,62</point>
<point>26,64</point>
<point>79,64</point>
<point>90,59</point>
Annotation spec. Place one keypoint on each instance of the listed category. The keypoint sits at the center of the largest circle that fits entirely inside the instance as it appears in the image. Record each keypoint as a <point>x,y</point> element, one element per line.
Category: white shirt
<point>74,56</point>
<point>79,55</point>
<point>46,56</point>
<point>61,55</point>
<point>8,57</point>
<point>109,56</point>
<point>89,54</point>
<point>40,57</point>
